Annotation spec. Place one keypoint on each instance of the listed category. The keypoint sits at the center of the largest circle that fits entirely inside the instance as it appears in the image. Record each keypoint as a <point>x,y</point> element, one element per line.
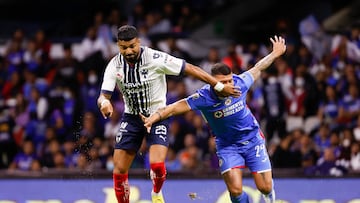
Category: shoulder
<point>202,94</point>
<point>115,61</point>
<point>242,76</point>
<point>150,53</point>
<point>244,79</point>
<point>238,79</point>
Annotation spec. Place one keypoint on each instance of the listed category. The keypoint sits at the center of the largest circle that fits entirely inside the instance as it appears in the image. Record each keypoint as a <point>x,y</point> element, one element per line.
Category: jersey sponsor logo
<point>133,85</point>
<point>230,110</point>
<point>132,88</point>
<point>218,114</point>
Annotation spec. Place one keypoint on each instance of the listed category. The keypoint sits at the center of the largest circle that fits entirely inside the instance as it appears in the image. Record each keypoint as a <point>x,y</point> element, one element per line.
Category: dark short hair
<point>220,69</point>
<point>127,33</point>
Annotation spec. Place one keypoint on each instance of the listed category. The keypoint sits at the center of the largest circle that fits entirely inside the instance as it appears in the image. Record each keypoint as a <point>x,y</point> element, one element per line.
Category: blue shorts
<point>132,131</point>
<point>252,154</point>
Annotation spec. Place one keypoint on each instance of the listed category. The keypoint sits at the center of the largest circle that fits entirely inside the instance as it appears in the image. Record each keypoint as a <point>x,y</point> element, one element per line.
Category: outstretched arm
<point>176,108</point>
<point>224,90</point>
<point>279,48</point>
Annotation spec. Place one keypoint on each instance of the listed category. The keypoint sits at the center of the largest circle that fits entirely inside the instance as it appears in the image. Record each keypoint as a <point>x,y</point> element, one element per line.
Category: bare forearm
<point>176,108</point>
<point>200,74</point>
<point>279,48</point>
<point>262,65</point>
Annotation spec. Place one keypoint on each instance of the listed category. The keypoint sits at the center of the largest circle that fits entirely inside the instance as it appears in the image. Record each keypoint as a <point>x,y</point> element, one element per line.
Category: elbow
<point>255,74</point>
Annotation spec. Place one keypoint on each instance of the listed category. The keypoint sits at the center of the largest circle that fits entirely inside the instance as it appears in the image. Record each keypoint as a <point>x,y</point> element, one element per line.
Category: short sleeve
<point>196,101</point>
<point>247,79</point>
<point>168,64</point>
<point>109,79</point>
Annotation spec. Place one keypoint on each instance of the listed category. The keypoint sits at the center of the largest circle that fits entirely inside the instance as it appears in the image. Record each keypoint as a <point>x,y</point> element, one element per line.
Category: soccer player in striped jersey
<point>239,140</point>
<point>140,74</point>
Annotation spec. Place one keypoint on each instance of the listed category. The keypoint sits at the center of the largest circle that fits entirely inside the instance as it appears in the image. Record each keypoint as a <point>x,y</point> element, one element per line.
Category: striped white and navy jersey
<point>142,85</point>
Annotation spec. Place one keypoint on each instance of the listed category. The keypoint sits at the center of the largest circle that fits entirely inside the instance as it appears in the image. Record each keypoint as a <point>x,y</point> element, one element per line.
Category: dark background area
<point>69,19</point>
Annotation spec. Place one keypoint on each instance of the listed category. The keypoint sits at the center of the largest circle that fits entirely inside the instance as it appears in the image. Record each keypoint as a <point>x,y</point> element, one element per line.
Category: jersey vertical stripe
<point>134,95</point>
<point>141,95</point>
<point>144,97</point>
<point>146,85</point>
<point>126,80</point>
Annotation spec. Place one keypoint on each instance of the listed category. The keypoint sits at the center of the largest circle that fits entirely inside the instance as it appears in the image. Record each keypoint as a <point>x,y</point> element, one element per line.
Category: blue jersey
<point>239,141</point>
<point>229,118</point>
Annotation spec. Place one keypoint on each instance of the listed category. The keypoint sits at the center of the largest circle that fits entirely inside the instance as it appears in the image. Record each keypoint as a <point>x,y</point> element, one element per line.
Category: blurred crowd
<point>307,102</point>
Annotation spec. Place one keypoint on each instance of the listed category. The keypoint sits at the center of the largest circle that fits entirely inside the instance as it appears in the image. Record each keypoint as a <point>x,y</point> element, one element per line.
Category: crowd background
<point>308,101</point>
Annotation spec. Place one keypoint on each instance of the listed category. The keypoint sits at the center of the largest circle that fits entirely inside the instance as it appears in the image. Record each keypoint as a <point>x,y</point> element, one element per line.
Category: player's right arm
<point>105,105</point>
<point>175,108</point>
<point>107,87</point>
<point>224,90</point>
<point>171,65</point>
<point>279,49</point>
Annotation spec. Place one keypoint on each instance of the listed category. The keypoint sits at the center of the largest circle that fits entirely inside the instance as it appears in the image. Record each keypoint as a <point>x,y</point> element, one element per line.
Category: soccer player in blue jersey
<point>239,140</point>
<point>139,72</point>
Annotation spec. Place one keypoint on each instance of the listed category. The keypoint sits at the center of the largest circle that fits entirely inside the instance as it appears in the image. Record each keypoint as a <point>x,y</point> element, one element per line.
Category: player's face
<point>130,49</point>
<point>225,79</point>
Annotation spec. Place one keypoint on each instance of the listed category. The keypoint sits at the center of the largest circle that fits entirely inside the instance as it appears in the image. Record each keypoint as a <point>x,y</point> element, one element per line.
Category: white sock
<point>270,198</point>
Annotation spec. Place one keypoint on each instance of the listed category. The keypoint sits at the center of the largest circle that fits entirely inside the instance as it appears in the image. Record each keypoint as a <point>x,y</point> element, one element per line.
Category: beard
<point>131,58</point>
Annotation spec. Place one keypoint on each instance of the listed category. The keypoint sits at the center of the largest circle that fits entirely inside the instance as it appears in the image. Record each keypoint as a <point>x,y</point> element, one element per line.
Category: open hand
<point>230,90</point>
<point>279,46</point>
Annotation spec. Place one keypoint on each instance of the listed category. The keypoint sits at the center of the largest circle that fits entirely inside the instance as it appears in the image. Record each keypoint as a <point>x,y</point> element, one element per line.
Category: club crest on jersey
<point>144,72</point>
<point>228,102</point>
<point>218,114</point>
